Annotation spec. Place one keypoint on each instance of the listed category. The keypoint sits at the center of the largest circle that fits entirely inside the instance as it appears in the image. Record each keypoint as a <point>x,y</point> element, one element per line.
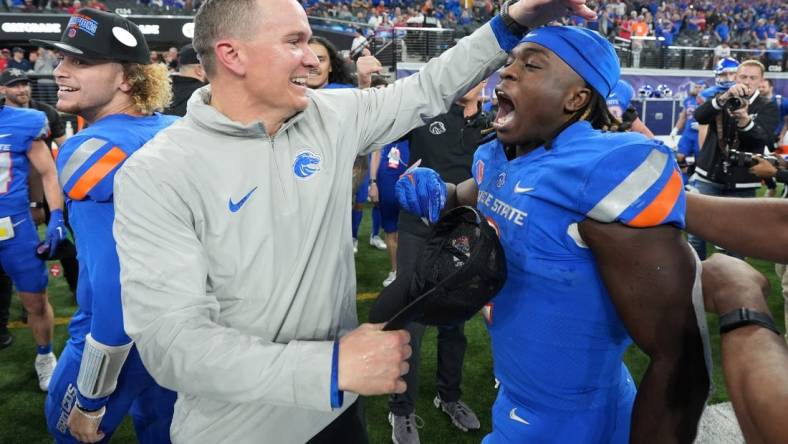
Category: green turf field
<point>21,402</point>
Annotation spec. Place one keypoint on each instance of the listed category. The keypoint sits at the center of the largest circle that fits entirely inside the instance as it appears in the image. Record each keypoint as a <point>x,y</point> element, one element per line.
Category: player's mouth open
<point>506,110</point>
<point>299,81</point>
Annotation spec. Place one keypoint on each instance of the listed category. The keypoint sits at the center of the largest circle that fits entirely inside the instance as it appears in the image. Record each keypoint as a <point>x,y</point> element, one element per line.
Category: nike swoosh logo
<point>4,135</point>
<point>513,416</point>
<point>19,222</point>
<point>520,190</point>
<point>234,207</point>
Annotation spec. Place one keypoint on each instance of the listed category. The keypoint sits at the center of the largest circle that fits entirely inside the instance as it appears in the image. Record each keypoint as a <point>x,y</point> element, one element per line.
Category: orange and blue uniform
<point>86,166</point>
<point>557,340</point>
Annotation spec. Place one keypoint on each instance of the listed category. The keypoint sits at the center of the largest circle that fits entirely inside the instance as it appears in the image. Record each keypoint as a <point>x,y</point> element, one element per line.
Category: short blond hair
<point>151,87</point>
<point>756,64</point>
<point>217,19</point>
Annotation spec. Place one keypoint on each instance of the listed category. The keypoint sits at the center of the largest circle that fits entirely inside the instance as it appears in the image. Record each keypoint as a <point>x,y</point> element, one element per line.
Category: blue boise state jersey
<point>87,164</point>
<point>690,104</point>
<point>19,127</point>
<point>556,338</point>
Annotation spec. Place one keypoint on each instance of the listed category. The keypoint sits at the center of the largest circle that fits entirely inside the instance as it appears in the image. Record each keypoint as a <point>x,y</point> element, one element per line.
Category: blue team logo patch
<point>82,23</point>
<point>501,180</point>
<point>306,164</point>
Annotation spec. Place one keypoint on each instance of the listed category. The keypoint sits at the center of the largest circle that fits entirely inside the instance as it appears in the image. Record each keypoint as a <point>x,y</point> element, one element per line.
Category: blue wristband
<point>91,404</point>
<point>337,395</point>
<point>506,39</point>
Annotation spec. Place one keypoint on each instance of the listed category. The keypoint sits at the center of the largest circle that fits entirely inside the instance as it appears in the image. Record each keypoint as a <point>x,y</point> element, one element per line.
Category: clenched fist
<point>373,361</point>
<point>366,65</point>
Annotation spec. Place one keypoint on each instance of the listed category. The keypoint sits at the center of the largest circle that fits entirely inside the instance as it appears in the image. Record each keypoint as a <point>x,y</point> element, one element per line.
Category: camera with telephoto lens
<point>748,160</point>
<point>734,103</point>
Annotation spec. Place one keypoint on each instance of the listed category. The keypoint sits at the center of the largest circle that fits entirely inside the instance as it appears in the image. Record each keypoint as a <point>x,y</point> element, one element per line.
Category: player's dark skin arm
<point>727,222</point>
<point>752,227</point>
<point>464,193</point>
<point>649,273</point>
<point>754,359</point>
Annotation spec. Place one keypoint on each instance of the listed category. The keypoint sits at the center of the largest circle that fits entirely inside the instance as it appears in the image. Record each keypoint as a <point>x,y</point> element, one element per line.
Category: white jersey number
<point>5,171</point>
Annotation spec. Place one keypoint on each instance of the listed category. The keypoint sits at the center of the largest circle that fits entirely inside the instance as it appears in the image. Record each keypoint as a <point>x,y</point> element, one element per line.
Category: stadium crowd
<point>163,268</point>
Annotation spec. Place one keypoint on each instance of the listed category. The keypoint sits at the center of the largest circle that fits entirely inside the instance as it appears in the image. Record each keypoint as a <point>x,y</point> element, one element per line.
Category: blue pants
<point>516,423</point>
<point>713,189</point>
<point>688,143</point>
<point>18,256</point>
<point>389,207</point>
<point>137,394</point>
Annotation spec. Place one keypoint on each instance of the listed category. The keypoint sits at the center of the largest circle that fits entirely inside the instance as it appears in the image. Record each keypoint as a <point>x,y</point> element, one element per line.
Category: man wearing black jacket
<point>747,126</point>
<point>189,77</point>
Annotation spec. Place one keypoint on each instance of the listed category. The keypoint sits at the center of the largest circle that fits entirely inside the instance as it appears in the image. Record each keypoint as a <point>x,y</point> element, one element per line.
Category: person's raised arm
<point>649,273</point>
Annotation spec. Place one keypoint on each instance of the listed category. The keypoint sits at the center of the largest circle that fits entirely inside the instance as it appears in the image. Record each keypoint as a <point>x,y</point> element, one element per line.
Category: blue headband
<point>586,52</point>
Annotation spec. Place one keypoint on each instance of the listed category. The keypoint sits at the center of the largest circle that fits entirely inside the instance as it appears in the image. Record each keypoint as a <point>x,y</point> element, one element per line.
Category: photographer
<point>740,123</point>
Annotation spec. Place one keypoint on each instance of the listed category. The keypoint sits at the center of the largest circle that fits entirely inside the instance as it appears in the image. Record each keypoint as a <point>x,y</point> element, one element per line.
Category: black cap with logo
<point>100,35</point>
<point>461,267</point>
<point>11,76</point>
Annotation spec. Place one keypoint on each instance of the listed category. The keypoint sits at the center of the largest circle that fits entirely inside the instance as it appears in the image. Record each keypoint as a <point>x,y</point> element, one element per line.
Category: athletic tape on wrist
<point>100,367</point>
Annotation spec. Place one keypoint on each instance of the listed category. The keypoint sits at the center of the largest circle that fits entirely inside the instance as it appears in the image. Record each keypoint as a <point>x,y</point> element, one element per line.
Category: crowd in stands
<point>743,29</point>
<point>41,61</point>
<point>65,6</point>
<point>69,6</point>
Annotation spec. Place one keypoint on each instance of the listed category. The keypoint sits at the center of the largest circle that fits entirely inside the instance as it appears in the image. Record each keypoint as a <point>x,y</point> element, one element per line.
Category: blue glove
<point>56,231</point>
<point>421,191</point>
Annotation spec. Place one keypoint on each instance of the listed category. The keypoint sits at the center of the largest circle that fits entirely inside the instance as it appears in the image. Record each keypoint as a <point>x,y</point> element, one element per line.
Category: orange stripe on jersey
<point>660,207</point>
<point>95,173</point>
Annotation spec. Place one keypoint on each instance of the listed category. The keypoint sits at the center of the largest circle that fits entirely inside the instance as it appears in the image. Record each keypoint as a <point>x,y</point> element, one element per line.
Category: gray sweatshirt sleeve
<point>174,320</point>
<point>385,115</point>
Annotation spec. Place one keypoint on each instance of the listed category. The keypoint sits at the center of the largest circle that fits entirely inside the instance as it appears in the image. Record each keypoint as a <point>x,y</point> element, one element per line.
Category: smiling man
<point>104,77</point>
<point>578,291</point>
<point>251,315</point>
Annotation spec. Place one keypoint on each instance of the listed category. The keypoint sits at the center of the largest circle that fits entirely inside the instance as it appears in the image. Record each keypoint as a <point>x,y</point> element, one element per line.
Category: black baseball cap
<point>461,268</point>
<point>100,35</point>
<point>188,56</point>
<point>13,75</point>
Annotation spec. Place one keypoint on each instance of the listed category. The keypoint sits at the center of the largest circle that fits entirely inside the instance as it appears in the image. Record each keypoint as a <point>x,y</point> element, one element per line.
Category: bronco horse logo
<point>306,164</point>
